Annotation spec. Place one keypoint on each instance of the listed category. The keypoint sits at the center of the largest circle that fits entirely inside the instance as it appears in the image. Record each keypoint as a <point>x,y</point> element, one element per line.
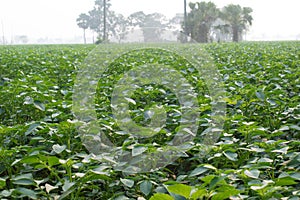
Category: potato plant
<point>257,156</point>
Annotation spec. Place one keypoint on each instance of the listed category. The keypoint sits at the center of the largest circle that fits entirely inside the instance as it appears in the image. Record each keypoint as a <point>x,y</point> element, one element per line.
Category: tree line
<point>204,22</point>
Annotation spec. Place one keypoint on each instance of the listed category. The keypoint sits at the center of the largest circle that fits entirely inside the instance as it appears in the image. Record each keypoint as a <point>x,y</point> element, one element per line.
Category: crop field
<point>255,156</point>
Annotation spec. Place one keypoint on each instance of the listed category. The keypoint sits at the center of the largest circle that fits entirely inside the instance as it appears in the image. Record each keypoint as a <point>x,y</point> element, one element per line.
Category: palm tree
<point>185,23</point>
<point>200,20</point>
<point>238,19</point>
<point>83,22</point>
<point>104,20</point>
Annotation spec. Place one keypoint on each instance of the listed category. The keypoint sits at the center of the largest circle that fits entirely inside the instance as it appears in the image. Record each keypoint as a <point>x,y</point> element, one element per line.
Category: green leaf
<point>58,149</point>
<point>180,189</point>
<point>130,100</point>
<point>28,100</point>
<point>30,160</point>
<point>146,187</point>
<point>137,150</point>
<point>285,181</point>
<point>295,175</point>
<point>260,95</point>
<point>6,193</point>
<point>23,176</point>
<point>52,160</point>
<point>159,196</point>
<point>295,127</point>
<point>207,179</point>
<point>2,182</point>
<point>282,150</point>
<point>127,182</point>
<point>49,188</point>
<point>198,171</point>
<point>32,128</point>
<point>224,192</point>
<point>39,105</point>
<point>29,193</point>
<point>122,197</point>
<point>230,155</point>
<point>199,194</point>
<point>265,160</point>
<point>91,177</point>
<point>67,185</point>
<point>252,173</point>
<point>208,166</point>
<point>215,181</point>
<point>24,182</point>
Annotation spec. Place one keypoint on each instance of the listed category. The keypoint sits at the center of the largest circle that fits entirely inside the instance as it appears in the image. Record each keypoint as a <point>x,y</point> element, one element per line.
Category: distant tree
<point>176,25</point>
<point>83,22</point>
<point>238,19</point>
<point>23,39</point>
<point>221,31</point>
<point>100,15</point>
<point>183,37</point>
<point>121,27</point>
<point>152,25</point>
<point>98,20</point>
<point>200,20</point>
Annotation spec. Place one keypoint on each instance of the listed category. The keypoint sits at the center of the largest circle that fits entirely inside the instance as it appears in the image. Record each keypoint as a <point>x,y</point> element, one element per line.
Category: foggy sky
<point>273,19</point>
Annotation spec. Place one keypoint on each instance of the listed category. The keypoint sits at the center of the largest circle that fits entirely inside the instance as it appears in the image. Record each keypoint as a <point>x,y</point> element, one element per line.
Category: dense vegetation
<point>256,157</point>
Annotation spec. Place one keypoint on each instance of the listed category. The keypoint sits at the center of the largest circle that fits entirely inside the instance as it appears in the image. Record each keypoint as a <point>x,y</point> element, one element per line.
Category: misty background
<point>45,21</point>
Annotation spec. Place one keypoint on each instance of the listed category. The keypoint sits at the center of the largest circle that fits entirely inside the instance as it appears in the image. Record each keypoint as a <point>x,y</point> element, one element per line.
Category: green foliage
<point>238,18</point>
<point>257,156</point>
<point>200,20</point>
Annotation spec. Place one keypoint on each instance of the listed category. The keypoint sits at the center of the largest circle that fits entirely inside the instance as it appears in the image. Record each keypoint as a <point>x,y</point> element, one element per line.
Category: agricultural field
<point>256,155</point>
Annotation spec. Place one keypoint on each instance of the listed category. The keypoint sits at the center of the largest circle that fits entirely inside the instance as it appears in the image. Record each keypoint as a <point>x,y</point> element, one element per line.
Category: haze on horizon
<point>55,20</point>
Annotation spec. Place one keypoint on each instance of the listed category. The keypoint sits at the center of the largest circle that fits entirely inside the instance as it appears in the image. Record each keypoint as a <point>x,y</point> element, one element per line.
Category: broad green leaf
<point>29,193</point>
<point>208,166</point>
<point>23,176</point>
<point>285,181</point>
<point>258,187</point>
<point>49,188</point>
<point>180,189</point>
<point>130,100</point>
<point>198,171</point>
<point>100,170</point>
<point>91,177</point>
<point>146,187</point>
<point>6,193</point>
<point>32,128</point>
<point>123,197</point>
<point>159,196</point>
<point>30,160</point>
<point>207,179</point>
<point>28,100</point>
<point>254,173</point>
<point>39,105</point>
<point>58,149</point>
<point>24,182</point>
<point>260,95</point>
<point>67,185</point>
<point>52,160</point>
<point>230,155</point>
<point>127,182</point>
<point>215,181</point>
<point>137,150</point>
<point>282,150</point>
<point>265,160</point>
<point>295,175</point>
<point>2,182</point>
<point>295,127</point>
<point>199,194</point>
<point>224,192</point>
